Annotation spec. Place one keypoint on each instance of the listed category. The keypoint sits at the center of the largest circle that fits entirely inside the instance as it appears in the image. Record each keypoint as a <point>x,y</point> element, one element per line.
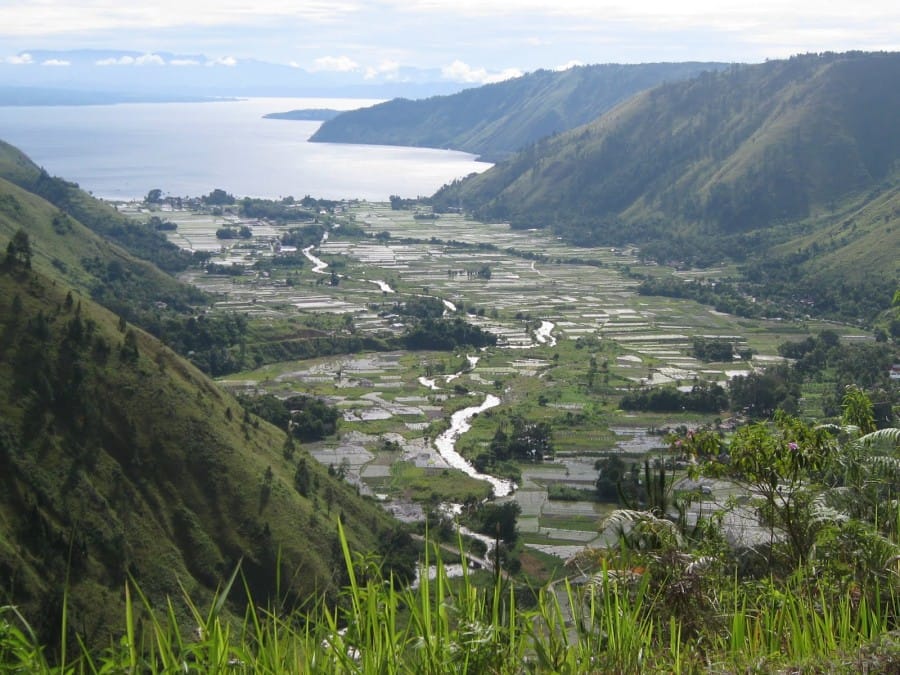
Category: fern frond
<point>891,435</point>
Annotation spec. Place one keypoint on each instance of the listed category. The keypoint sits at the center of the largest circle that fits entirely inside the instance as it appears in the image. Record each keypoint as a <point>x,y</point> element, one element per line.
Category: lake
<point>187,149</point>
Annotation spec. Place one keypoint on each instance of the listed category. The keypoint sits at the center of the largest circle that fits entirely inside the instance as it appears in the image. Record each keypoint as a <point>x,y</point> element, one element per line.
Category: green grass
<point>435,485</point>
<point>463,626</point>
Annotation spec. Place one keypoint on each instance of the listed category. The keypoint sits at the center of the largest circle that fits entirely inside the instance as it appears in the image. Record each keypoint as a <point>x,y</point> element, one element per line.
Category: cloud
<point>184,62</point>
<point>227,61</point>
<point>387,69</point>
<point>574,63</point>
<point>459,71</point>
<point>56,62</point>
<point>19,60</point>
<point>149,60</point>
<point>339,64</point>
<point>126,60</point>
<point>42,17</point>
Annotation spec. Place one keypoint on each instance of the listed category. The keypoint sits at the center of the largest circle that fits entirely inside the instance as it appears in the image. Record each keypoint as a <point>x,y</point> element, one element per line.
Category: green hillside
<point>91,246</point>
<point>496,120</point>
<point>788,161</point>
<point>118,459</point>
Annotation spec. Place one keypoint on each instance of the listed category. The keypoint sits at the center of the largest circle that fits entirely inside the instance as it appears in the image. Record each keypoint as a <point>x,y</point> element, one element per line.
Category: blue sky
<point>467,40</point>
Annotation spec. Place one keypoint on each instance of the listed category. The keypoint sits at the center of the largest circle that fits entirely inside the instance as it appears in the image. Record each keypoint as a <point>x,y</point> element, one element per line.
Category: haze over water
<point>187,149</point>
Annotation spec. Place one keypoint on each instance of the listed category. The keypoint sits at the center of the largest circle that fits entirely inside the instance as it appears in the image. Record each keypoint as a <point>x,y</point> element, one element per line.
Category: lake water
<point>187,149</point>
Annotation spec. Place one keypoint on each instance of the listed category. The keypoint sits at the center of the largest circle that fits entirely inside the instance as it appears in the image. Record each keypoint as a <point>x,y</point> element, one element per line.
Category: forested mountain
<point>119,459</point>
<point>789,164</point>
<point>496,120</point>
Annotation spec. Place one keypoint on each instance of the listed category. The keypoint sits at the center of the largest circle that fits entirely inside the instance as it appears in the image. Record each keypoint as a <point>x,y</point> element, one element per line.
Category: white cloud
<point>19,59</point>
<point>42,17</point>
<point>126,60</point>
<point>56,62</point>
<point>149,60</point>
<point>459,71</point>
<point>112,61</point>
<point>339,64</point>
<point>427,33</point>
<point>184,62</point>
<point>227,61</point>
<point>571,64</point>
<point>387,69</point>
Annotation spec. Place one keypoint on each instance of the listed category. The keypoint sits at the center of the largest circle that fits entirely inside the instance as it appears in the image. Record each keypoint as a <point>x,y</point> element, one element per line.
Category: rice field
<point>552,307</point>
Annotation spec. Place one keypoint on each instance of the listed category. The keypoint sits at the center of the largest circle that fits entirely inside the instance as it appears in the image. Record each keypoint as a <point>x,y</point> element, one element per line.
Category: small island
<point>307,114</point>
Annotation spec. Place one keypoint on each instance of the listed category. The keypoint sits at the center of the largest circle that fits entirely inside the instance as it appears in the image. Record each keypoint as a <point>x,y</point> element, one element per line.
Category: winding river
<point>460,423</point>
<point>543,334</point>
<point>319,265</point>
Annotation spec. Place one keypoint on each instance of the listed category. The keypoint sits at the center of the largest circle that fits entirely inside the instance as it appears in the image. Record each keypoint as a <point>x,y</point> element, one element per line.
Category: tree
<point>611,472</point>
<point>858,410</point>
<point>18,251</point>
<point>219,197</point>
<point>154,196</point>
<point>303,478</point>
<point>500,520</point>
<point>781,464</point>
<point>129,349</point>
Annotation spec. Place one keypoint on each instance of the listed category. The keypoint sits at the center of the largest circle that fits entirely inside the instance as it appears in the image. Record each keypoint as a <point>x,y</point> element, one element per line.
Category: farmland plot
<point>552,306</point>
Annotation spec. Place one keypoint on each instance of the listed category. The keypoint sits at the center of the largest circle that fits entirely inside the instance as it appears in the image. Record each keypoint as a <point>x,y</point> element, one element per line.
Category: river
<point>460,423</point>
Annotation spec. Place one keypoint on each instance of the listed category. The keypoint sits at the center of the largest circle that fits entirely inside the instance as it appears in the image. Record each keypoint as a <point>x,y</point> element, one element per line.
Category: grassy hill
<point>119,459</point>
<point>91,246</point>
<point>496,120</point>
<point>793,161</point>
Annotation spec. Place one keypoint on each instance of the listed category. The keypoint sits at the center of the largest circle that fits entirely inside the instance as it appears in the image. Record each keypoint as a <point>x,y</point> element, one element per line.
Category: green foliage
<point>218,197</point>
<point>707,349</point>
<point>275,211</point>
<point>703,397</point>
<point>18,251</point>
<point>499,520</point>
<point>446,334</point>
<point>271,408</point>
<point>524,440</point>
<point>781,466</point>
<point>612,479</point>
<point>213,343</point>
<point>421,307</point>
<point>761,394</point>
<point>243,232</point>
<point>119,459</point>
<point>858,410</point>
<point>312,419</point>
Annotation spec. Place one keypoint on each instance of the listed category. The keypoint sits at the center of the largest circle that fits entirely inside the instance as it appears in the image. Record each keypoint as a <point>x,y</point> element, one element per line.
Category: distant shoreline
<point>18,97</point>
<point>305,115</point>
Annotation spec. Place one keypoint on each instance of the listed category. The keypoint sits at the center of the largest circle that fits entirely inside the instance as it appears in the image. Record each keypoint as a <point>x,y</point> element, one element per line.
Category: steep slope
<point>496,120</point>
<point>729,164</point>
<point>118,459</point>
<point>90,246</point>
<point>139,240</point>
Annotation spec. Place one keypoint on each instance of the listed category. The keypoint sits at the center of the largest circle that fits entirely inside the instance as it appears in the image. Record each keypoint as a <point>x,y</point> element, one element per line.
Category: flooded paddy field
<point>573,335</point>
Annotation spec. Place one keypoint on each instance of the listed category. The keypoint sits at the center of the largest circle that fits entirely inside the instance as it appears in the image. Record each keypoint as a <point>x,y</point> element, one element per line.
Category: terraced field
<point>554,308</point>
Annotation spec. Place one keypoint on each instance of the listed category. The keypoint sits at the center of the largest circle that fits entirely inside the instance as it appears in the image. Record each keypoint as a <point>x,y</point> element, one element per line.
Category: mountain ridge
<point>495,120</point>
<point>737,164</point>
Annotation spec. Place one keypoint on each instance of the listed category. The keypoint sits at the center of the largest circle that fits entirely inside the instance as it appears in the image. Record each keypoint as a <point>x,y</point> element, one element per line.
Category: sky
<point>473,41</point>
